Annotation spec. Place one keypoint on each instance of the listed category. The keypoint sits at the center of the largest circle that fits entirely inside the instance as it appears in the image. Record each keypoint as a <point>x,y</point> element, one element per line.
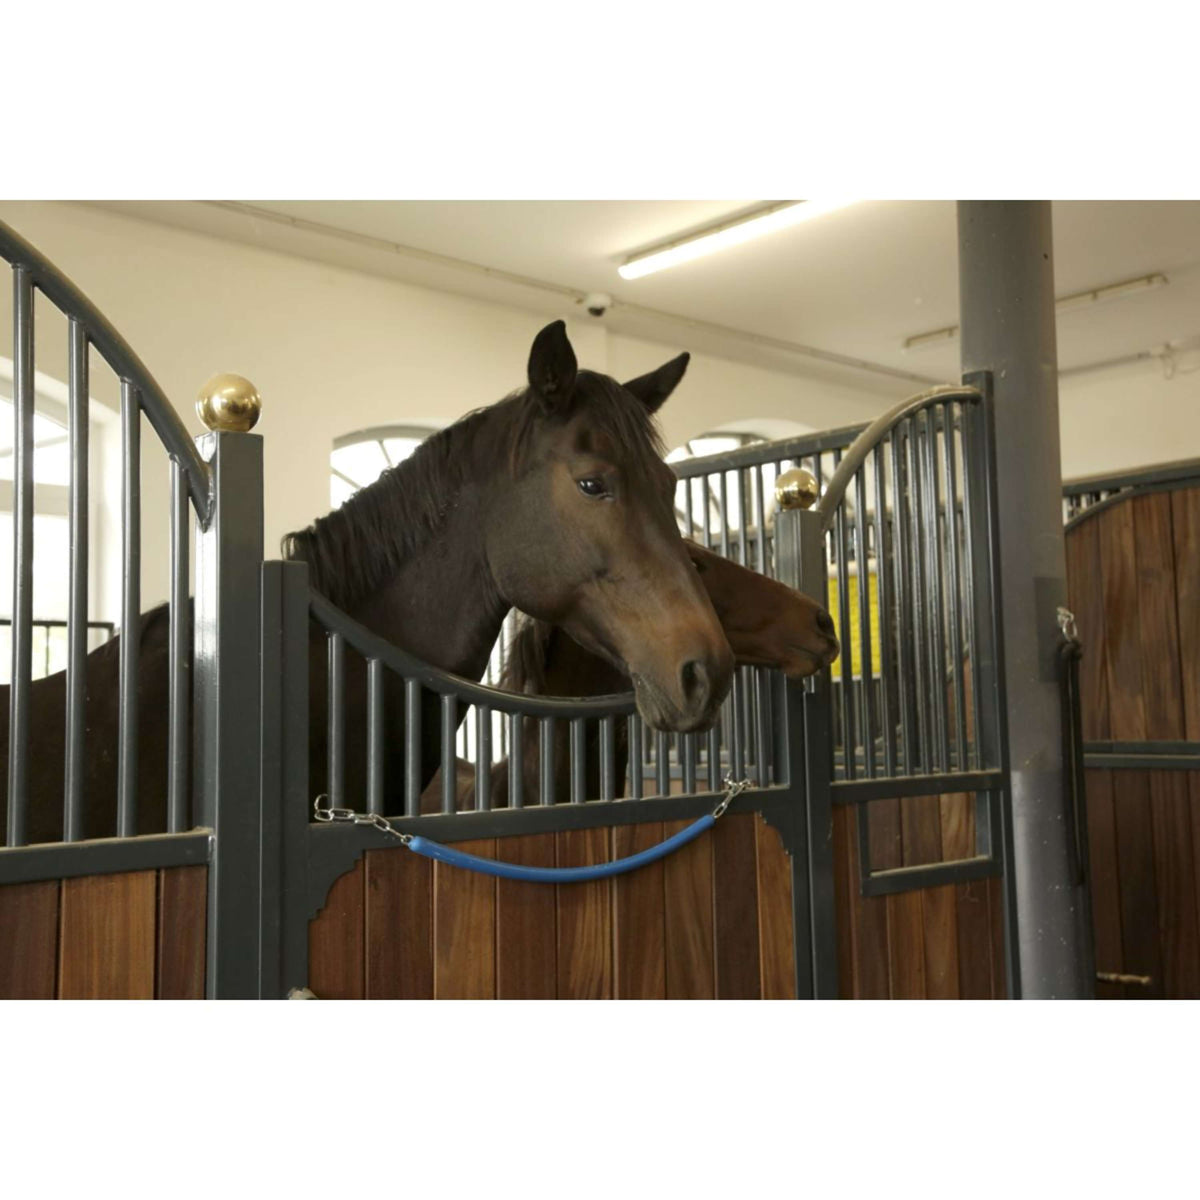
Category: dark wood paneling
<point>464,928</point>
<point>940,934</point>
<point>639,918</point>
<point>688,946</point>
<point>995,894</point>
<point>107,944</point>
<point>1159,630</point>
<point>29,940</point>
<point>973,928</point>
<point>584,919</point>
<point>906,946</point>
<point>182,925</point>
<point>1104,885</point>
<point>399,926</point>
<point>1185,521</point>
<point>1123,651</point>
<point>1175,885</point>
<point>1135,866</point>
<point>336,967</point>
<point>526,945</point>
<point>776,945</point>
<point>736,908</point>
<point>921,830</point>
<point>869,914</point>
<point>1085,597</point>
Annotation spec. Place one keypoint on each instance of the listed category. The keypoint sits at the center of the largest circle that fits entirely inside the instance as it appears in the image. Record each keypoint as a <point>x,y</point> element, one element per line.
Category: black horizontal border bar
<point>104,856</point>
<point>862,791</point>
<point>1142,762</point>
<point>909,879</point>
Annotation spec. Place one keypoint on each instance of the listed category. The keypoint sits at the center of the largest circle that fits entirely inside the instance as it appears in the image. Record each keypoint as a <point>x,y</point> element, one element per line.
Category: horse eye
<point>593,486</point>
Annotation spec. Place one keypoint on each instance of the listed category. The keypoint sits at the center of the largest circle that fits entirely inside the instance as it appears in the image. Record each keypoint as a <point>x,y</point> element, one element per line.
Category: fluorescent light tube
<point>731,233</point>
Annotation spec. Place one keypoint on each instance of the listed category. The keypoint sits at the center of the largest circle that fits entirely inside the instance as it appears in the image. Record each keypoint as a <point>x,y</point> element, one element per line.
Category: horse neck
<point>441,604</point>
<point>570,670</point>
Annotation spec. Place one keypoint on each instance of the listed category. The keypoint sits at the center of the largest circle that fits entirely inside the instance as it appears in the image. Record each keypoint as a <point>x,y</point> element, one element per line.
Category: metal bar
<point>762,726</point>
<point>954,592</point>
<point>973,527</point>
<point>905,682</point>
<point>20,696</point>
<point>1142,762</point>
<point>336,784</point>
<point>846,661</point>
<point>103,856</point>
<point>737,749</point>
<point>607,758</point>
<point>760,502</point>
<point>934,542</point>
<point>863,790</point>
<point>714,758</point>
<point>724,486</point>
<point>516,761</point>
<point>180,668</point>
<point>131,603</point>
<point>866,669</point>
<point>546,761</point>
<point>883,569</point>
<point>77,611</point>
<point>662,762</point>
<point>449,759</point>
<point>412,748</point>
<point>578,761</point>
<point>917,579</point>
<point>483,758</point>
<point>636,757</point>
<point>909,879</point>
<point>375,736</point>
<point>743,519</point>
<point>687,754</point>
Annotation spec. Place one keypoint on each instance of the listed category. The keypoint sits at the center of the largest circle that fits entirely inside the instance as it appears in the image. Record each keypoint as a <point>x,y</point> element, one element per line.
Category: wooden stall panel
<point>639,918</point>
<point>776,944</point>
<point>688,934</point>
<point>906,946</point>
<point>973,929</point>
<point>585,970</point>
<point>182,925</point>
<point>1123,652</point>
<point>464,928</point>
<point>399,926</point>
<point>1085,597</point>
<point>29,940</point>
<point>335,940</point>
<point>107,940</point>
<point>1104,881</point>
<point>526,945</point>
<point>1185,523</point>
<point>736,908</point>
<point>1175,885</point>
<point>1139,893</point>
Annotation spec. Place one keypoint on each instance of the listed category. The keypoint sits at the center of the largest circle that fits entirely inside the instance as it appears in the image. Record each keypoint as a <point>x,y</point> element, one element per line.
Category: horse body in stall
<point>767,624</point>
<point>555,501</point>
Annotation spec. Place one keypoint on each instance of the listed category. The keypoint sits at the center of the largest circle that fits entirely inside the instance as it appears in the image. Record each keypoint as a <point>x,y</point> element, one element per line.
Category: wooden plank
<point>106,945</point>
<point>735,925</point>
<point>688,932</point>
<point>526,945</point>
<point>921,830</point>
<point>776,944</point>
<point>1162,691</point>
<point>1185,523</point>
<point>1135,866</point>
<point>336,969</point>
<point>957,818</point>
<point>906,948</point>
<point>872,956</point>
<point>1104,883</point>
<point>1085,597</point>
<point>1175,883</point>
<point>29,940</point>
<point>1123,653</point>
<point>399,926</point>
<point>182,927</point>
<point>584,919</point>
<point>464,928</point>
<point>1194,808</point>
<point>844,846</point>
<point>974,931</point>
<point>639,918</point>
<point>940,936</point>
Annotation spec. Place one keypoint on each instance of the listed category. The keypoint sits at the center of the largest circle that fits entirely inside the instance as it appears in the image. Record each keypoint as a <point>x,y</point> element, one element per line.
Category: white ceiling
<point>849,285</point>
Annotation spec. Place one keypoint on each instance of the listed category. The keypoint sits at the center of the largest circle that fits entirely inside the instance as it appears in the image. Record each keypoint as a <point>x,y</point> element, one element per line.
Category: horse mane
<point>525,664</point>
<point>354,550</point>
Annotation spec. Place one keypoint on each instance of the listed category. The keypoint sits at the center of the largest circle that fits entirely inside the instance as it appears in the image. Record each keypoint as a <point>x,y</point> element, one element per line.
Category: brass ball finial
<point>796,488</point>
<point>229,404</point>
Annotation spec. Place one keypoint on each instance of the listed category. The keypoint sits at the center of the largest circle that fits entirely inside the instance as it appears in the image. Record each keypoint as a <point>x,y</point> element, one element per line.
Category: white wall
<point>333,350</point>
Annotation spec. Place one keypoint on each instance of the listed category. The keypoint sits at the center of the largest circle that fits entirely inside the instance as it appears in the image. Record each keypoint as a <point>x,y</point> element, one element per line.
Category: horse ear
<point>552,365</point>
<point>654,388</point>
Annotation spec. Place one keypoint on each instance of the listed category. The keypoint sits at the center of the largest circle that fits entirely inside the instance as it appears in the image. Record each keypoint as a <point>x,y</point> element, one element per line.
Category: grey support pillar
<point>1006,282</point>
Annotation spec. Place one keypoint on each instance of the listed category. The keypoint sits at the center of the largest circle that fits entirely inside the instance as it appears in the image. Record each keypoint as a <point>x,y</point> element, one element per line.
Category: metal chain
<point>327,813</point>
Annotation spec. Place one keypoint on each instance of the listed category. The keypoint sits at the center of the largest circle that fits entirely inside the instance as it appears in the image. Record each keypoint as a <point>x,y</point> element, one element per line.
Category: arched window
<point>360,458</point>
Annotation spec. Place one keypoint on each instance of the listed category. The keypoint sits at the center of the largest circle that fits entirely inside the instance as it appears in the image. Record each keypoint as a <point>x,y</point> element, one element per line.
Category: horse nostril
<point>693,679</point>
<point>825,622</point>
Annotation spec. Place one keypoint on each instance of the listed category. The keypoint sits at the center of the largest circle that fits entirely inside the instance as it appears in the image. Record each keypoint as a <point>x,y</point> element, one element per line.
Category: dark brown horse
<point>767,624</point>
<point>555,500</point>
